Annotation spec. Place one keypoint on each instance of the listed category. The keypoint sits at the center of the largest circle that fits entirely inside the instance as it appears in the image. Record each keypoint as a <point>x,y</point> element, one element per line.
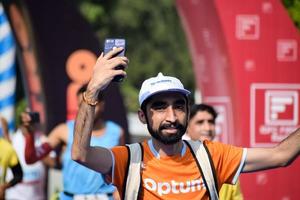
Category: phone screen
<point>108,46</point>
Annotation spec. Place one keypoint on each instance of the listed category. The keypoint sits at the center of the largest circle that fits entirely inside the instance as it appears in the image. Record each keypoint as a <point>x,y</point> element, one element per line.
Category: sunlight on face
<point>167,117</point>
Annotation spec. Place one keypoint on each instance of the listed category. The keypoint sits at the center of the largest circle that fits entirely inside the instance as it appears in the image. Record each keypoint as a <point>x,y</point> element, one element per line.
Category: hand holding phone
<point>109,44</point>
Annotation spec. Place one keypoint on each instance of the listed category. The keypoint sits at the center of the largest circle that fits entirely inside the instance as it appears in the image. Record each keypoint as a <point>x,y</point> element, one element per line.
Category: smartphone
<point>35,117</point>
<point>108,46</point>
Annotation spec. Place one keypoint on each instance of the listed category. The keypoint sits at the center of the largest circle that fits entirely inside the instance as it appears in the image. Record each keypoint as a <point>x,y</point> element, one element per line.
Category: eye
<point>200,122</point>
<point>179,107</point>
<point>211,121</point>
<point>159,106</point>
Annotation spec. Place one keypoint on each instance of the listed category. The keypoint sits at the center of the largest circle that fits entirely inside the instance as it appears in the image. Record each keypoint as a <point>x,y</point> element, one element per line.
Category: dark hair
<point>83,88</point>
<point>203,107</point>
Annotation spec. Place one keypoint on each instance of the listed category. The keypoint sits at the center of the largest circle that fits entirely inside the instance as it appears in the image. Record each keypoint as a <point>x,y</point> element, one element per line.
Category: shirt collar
<point>156,154</point>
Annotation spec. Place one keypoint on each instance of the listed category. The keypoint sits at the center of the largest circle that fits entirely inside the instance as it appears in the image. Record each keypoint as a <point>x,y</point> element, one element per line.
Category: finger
<point>120,72</point>
<point>119,61</point>
<point>100,57</point>
<point>125,59</point>
<point>113,52</point>
<point>124,64</point>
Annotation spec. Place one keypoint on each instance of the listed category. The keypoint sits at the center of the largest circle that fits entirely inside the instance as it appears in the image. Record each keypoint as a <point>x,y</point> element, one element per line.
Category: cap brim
<point>182,91</point>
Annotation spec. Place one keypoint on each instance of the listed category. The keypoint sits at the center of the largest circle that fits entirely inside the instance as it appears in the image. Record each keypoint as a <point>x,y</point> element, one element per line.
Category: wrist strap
<point>88,101</point>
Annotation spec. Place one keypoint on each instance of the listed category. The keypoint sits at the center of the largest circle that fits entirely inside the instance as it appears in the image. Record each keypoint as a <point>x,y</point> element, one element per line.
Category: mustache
<point>171,125</point>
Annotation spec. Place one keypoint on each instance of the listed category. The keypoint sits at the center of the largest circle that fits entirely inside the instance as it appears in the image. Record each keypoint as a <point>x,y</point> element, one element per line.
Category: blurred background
<point>242,57</point>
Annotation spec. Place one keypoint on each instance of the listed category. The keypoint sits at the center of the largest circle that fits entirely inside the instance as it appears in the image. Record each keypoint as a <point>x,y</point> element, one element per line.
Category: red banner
<point>246,63</point>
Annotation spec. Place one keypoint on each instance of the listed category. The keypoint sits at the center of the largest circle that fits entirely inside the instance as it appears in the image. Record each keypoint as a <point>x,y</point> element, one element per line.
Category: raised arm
<point>279,156</point>
<point>35,153</point>
<point>96,158</point>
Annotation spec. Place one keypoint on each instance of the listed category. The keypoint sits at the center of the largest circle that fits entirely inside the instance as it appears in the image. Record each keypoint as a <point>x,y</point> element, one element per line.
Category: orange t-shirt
<point>178,177</point>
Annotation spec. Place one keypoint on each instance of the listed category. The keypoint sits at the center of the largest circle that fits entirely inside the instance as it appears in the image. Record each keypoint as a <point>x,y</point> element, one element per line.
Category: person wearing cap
<point>169,169</point>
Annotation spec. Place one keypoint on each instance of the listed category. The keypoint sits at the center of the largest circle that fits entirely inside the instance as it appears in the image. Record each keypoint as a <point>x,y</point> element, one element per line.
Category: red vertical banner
<point>210,60</point>
<point>246,61</point>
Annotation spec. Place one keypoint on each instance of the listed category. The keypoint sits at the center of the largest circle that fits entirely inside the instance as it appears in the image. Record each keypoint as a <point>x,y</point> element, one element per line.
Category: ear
<point>142,116</point>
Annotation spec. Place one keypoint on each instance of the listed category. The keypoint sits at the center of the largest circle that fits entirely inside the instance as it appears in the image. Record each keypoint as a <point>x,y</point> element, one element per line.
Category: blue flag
<point>7,71</point>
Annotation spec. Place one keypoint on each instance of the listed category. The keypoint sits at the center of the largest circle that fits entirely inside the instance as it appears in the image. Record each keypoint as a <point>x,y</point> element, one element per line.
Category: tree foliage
<point>293,7</point>
<point>155,39</point>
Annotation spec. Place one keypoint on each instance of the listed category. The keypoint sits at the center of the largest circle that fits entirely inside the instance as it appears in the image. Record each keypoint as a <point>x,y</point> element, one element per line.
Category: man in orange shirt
<point>169,169</point>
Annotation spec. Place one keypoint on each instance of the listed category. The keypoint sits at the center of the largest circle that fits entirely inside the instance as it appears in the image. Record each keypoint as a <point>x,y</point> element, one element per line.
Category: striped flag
<point>7,70</point>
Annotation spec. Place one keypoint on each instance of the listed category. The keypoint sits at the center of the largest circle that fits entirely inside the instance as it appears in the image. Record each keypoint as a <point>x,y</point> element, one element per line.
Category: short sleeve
<point>227,160</point>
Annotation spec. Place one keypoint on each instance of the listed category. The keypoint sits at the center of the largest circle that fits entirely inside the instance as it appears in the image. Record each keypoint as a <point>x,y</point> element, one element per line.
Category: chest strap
<point>133,182</point>
<point>198,150</point>
<point>205,165</point>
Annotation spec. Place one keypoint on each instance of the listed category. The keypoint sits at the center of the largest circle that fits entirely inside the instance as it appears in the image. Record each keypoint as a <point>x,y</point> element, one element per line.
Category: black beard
<point>169,139</point>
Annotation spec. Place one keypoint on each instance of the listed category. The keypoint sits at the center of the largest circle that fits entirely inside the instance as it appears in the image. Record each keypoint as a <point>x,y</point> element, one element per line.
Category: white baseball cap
<point>159,84</point>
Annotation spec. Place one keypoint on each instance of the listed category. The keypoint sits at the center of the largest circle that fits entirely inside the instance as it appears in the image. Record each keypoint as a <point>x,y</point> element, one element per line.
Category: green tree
<point>293,8</point>
<point>155,39</point>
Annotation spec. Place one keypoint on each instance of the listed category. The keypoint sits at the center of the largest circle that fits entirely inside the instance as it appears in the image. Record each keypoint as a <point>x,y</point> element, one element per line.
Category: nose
<point>170,114</point>
<point>207,126</point>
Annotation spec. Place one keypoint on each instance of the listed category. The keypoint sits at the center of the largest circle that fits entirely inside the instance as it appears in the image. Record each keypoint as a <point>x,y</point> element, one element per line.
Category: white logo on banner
<point>276,103</point>
<point>247,27</point>
<point>287,50</point>
<point>224,121</point>
<point>274,113</point>
<point>220,120</point>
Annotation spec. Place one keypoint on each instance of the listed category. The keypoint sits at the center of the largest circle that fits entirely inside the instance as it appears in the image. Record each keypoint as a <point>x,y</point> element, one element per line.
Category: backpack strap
<point>133,182</point>
<point>205,165</point>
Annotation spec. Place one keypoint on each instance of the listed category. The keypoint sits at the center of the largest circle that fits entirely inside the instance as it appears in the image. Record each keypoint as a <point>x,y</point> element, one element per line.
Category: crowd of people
<point>36,152</point>
<point>78,181</point>
<point>180,160</point>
